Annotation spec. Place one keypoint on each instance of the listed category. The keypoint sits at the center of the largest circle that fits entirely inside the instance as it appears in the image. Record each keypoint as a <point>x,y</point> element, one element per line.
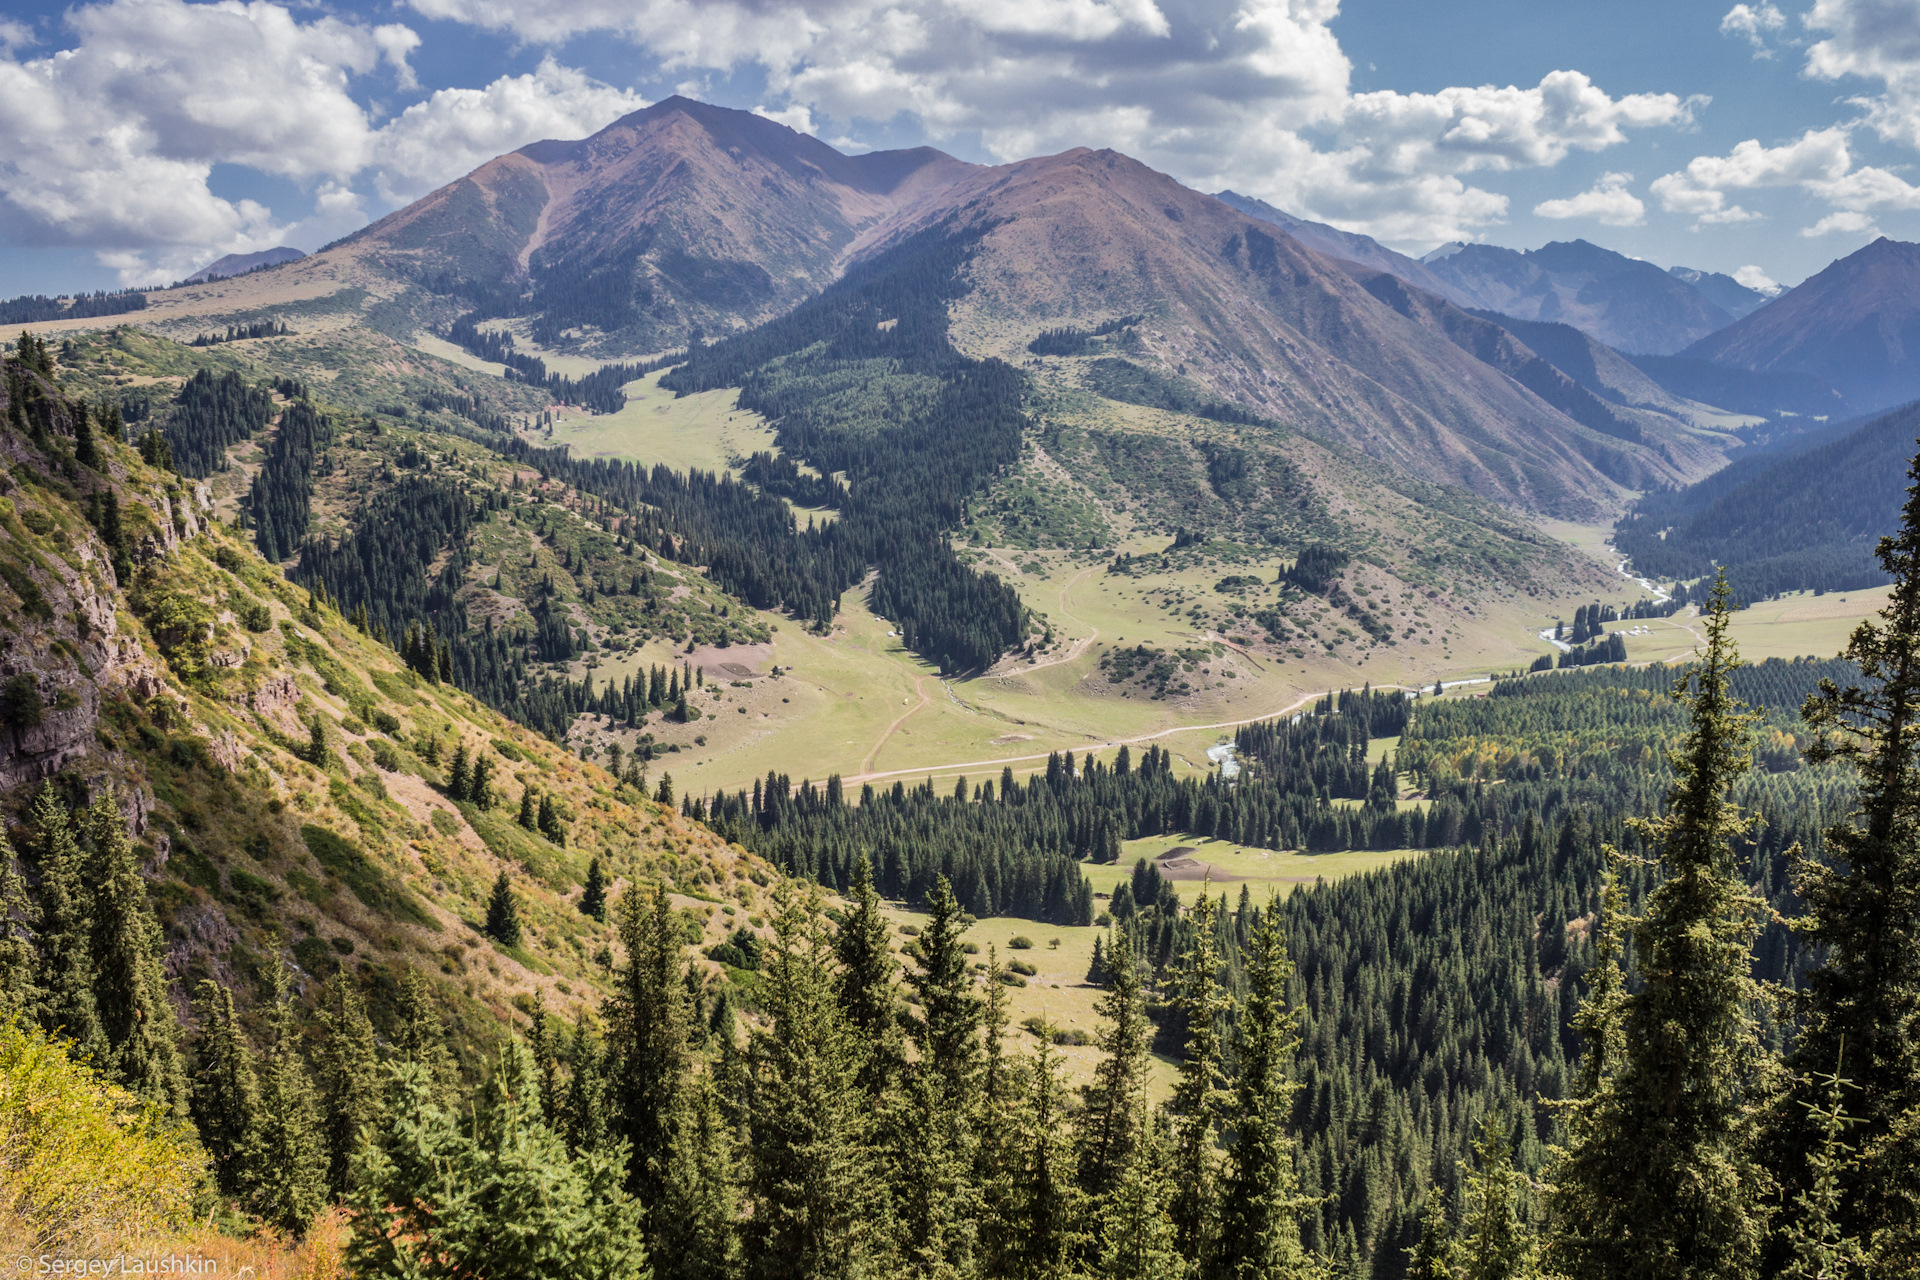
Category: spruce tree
<point>813,1205</point>
<point>1433,1258</point>
<point>864,985</point>
<point>1862,896</point>
<point>586,1090</point>
<point>1260,1202</point>
<point>947,1029</point>
<point>1109,1123</point>
<point>18,994</point>
<point>420,1036</point>
<point>226,1095</point>
<point>593,894</point>
<point>129,973</point>
<point>65,974</point>
<point>347,1073</point>
<point>459,773</point>
<point>1042,1229</point>
<point>1198,1096</point>
<point>1138,1238</point>
<point>1660,1178</point>
<point>503,912</point>
<point>287,1184</point>
<point>1495,1243</point>
<point>528,818</point>
<point>647,1059</point>
<point>698,1234</point>
<point>319,755</point>
<point>438,1195</point>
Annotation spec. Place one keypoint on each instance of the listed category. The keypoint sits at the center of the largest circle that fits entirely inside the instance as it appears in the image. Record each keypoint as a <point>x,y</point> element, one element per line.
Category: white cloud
<point>1819,162</point>
<point>1757,280</point>
<point>1253,94</point>
<point>1754,24</point>
<point>457,130</point>
<point>1874,40</point>
<point>1607,202</point>
<point>1845,221</point>
<point>112,143</point>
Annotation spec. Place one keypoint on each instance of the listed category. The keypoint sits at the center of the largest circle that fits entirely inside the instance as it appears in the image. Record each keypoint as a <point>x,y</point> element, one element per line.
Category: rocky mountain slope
<point>1855,326</point>
<point>291,778</point>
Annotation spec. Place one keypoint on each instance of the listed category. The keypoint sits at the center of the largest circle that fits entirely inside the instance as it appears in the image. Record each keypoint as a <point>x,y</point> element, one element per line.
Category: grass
<point>704,431</point>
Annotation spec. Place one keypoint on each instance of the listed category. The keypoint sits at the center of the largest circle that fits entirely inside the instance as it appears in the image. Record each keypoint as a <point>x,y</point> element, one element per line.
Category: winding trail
<point>919,688</point>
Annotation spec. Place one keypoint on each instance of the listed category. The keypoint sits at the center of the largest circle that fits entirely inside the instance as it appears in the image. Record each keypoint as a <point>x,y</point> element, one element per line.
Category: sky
<point>141,139</point>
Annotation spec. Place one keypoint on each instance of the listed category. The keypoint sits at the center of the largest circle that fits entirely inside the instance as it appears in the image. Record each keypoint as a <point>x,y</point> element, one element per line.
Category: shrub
<point>1022,967</point>
<point>1020,942</point>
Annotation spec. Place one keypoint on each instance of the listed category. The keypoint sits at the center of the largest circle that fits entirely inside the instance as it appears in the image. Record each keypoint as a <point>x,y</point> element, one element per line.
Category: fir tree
<point>347,1073</point>
<point>503,912</point>
<point>1495,1243</point>
<point>1433,1258</point>
<point>1197,1097</point>
<point>1862,896</point>
<point>527,818</point>
<point>1109,1124</point>
<point>698,1237</point>
<point>947,1030</point>
<point>130,980</point>
<point>459,774</point>
<point>287,1184</point>
<point>812,1203</point>
<point>864,985</point>
<point>593,894</point>
<point>1661,1178</point>
<point>420,1036</point>
<point>1818,1245</point>
<point>1097,970</point>
<point>647,1060</point>
<point>1260,1203</point>
<point>1041,1231</point>
<point>18,995</point>
<point>586,1090</point>
<point>86,451</point>
<point>226,1095</point>
<point>318,754</point>
<point>1138,1239</point>
<point>480,785</point>
<point>65,974</point>
<point>542,1051</point>
<point>436,1198</point>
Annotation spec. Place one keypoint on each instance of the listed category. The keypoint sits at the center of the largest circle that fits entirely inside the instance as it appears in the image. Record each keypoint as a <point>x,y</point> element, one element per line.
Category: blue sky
<point>139,139</point>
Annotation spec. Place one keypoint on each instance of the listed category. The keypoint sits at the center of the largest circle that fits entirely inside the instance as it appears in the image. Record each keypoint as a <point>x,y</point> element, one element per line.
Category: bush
<point>910,930</point>
<point>1022,967</point>
<point>1020,942</point>
<point>971,948</point>
<point>384,721</point>
<point>1012,979</point>
<point>1071,1035</point>
<point>254,616</point>
<point>86,1165</point>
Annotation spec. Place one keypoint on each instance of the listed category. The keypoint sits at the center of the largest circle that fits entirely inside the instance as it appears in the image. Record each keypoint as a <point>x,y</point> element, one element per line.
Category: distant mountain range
<point>235,264</point>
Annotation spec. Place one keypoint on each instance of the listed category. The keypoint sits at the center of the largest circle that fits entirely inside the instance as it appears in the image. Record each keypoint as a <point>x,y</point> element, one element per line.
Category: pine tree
<point>480,786</point>
<point>1260,1203</point>
<point>593,894</point>
<point>699,1237</point>
<point>1109,1122</point>
<point>586,1090</point>
<point>287,1184</point>
<point>65,974</point>
<point>647,1060</point>
<point>1138,1238</point>
<point>1862,901</point>
<point>947,1030</point>
<point>527,818</point>
<point>864,985</point>
<point>318,753</point>
<point>1660,1179</point>
<point>420,1036</point>
<point>226,1095</point>
<point>1818,1246</point>
<point>1097,970</point>
<point>812,1203</point>
<point>436,1198</point>
<point>1198,1096</point>
<point>1041,1229</point>
<point>18,994</point>
<point>459,774</point>
<point>503,912</point>
<point>1434,1257</point>
<point>129,974</point>
<point>86,451</point>
<point>347,1073</point>
<point>1495,1243</point>
<point>546,1062</point>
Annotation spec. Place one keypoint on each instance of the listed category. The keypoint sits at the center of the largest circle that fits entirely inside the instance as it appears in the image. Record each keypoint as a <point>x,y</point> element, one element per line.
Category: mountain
<point>1628,304</point>
<point>681,216</point>
<point>1265,322</point>
<point>1855,326</point>
<point>239,263</point>
<point>1723,291</point>
<point>1335,243</point>
<point>1791,520</point>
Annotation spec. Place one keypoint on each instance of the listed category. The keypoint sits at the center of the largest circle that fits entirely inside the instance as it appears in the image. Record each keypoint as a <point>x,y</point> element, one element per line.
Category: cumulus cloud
<point>1607,202</point>
<point>1252,94</point>
<point>1845,221</point>
<point>1820,162</point>
<point>456,130</point>
<point>112,143</point>
<point>1873,40</point>
<point>1757,280</point>
<point>1754,24</point>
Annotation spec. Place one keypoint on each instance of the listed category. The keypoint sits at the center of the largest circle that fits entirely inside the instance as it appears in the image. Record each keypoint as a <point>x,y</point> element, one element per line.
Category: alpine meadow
<point>753,653</point>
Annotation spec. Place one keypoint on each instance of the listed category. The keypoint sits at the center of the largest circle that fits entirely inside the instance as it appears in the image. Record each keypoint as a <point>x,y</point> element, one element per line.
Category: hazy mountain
<point>1723,291</point>
<point>1336,243</point>
<point>239,263</point>
<point>1855,325</point>
<point>1627,304</point>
